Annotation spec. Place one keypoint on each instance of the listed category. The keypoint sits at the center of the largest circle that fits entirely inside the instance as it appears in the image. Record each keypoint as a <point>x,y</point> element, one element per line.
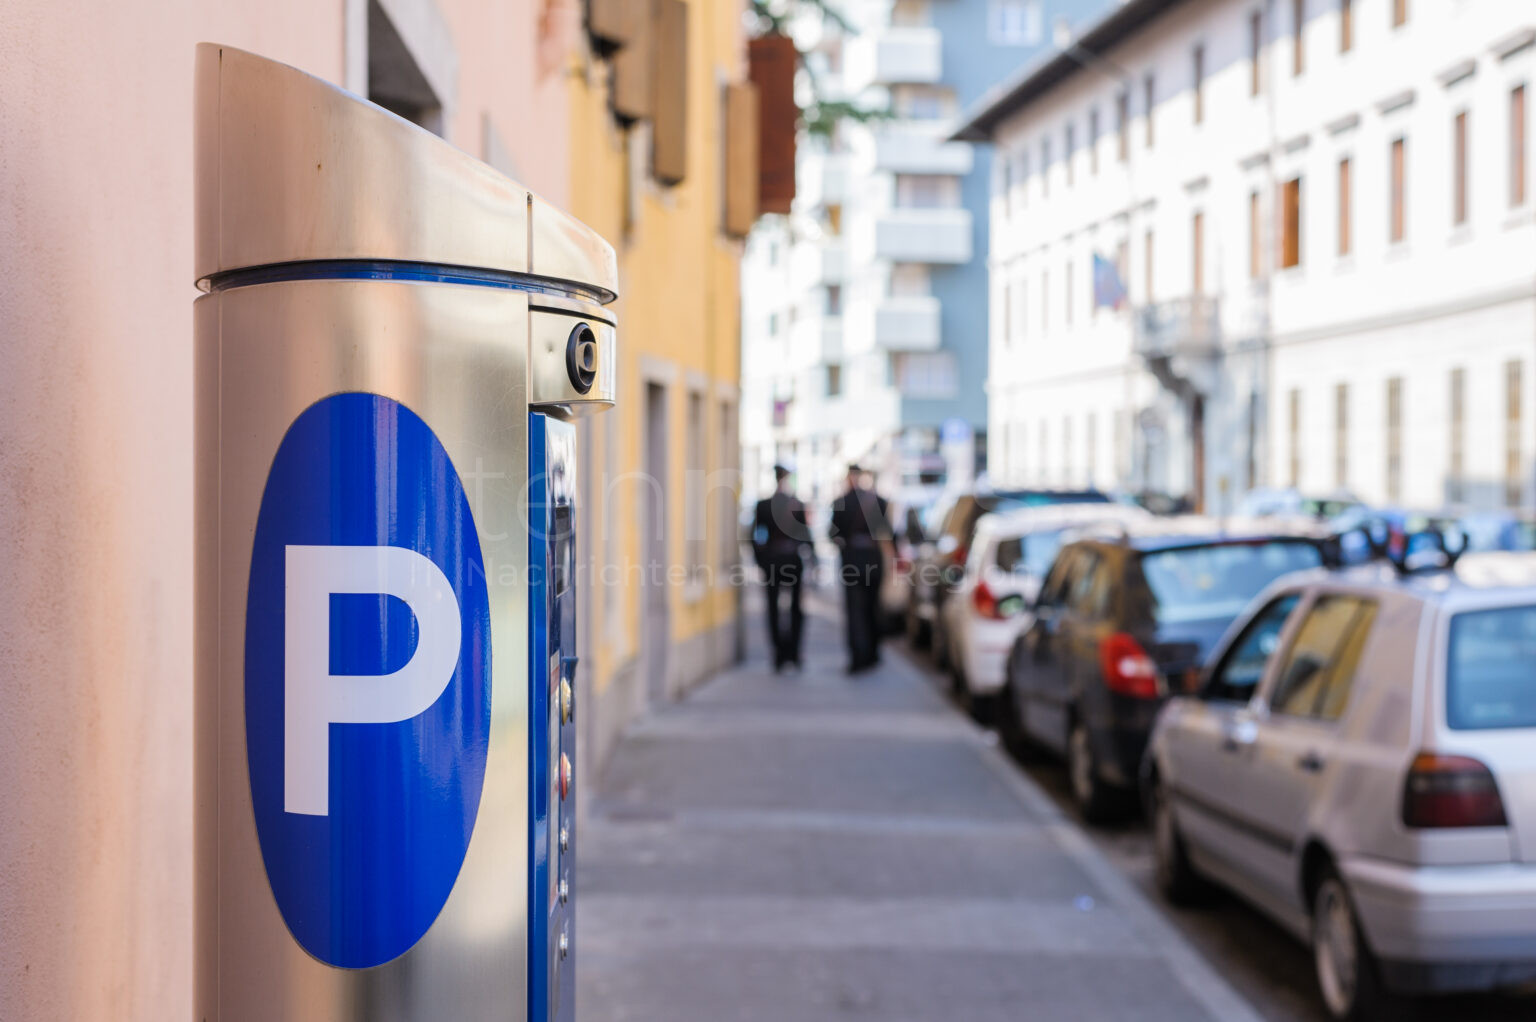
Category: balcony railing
<point>906,235</point>
<point>1181,327</point>
<point>908,323</point>
<point>920,149</point>
<point>894,56</point>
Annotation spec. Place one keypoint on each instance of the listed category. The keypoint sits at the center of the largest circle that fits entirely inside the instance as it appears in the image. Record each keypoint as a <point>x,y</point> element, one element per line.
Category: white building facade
<point>1322,214</point>
<point>864,312</point>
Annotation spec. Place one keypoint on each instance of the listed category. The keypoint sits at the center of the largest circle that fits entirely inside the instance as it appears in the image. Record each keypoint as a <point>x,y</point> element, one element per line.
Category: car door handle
<point>1239,737</point>
<point>1312,763</point>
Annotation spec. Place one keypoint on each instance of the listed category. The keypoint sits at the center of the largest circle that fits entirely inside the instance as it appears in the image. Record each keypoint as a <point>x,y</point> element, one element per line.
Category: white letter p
<point>314,698</point>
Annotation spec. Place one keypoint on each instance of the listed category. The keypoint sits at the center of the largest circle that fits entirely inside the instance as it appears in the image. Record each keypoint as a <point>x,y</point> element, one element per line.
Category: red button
<point>565,777</point>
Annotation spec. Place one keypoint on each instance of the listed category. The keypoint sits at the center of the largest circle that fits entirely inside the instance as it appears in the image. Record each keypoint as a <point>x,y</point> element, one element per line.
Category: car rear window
<point>1031,553</point>
<point>1490,677</point>
<point>1215,581</point>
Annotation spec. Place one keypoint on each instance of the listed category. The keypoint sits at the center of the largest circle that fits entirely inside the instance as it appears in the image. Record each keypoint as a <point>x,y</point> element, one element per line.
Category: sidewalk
<point>807,848</point>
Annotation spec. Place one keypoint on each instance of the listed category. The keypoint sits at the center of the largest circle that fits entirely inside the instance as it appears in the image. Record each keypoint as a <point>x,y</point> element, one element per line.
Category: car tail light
<point>1451,791</point>
<point>1127,668</point>
<point>985,602</point>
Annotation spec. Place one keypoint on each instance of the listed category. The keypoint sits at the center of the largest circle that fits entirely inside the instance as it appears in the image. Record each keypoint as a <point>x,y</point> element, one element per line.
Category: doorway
<point>655,623</point>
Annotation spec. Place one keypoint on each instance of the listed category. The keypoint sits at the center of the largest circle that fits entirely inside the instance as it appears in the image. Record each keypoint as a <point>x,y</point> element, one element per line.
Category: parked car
<point>1360,763</point>
<point>1009,557</point>
<point>906,511</point>
<point>1118,623</point>
<point>939,563</point>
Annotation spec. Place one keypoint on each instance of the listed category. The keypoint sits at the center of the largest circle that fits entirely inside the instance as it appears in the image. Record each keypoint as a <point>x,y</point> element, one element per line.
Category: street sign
<point>955,431</point>
<point>367,678</point>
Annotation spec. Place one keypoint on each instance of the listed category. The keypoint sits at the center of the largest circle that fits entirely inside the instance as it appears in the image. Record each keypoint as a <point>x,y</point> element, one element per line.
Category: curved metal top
<point>293,169</point>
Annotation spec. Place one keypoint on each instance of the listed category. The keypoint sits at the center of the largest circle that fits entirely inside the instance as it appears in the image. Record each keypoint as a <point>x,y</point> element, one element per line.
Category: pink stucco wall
<point>96,461</point>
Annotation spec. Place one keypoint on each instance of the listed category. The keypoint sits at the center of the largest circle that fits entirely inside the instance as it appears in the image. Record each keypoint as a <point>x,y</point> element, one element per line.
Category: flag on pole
<point>1108,288</point>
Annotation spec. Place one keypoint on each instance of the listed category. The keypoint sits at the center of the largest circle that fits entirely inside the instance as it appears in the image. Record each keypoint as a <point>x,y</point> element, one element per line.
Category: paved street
<point>807,848</point>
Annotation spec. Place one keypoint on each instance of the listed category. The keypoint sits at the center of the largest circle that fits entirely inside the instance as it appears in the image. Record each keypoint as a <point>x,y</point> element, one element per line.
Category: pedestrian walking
<point>862,534</point>
<point>780,535</point>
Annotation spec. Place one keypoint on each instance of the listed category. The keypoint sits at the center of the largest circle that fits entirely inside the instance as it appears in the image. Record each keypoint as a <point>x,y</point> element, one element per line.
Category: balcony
<point>893,56</point>
<point>833,267</point>
<point>823,180</point>
<point>924,235</point>
<point>920,149</point>
<point>1180,341</point>
<point>908,323</point>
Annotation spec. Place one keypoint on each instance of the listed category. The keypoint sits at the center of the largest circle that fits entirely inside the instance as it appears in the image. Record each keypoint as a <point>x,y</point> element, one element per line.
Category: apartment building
<point>1320,214</point>
<point>865,324</point>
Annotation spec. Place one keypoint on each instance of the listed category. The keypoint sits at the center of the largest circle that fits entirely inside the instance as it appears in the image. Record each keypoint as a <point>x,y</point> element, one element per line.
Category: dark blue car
<point>1119,623</point>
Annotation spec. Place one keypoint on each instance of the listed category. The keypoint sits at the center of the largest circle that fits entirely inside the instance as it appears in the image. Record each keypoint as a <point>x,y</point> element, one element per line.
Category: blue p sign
<point>367,678</point>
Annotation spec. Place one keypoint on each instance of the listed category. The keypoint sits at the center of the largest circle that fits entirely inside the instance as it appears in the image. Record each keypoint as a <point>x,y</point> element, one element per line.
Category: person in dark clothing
<point>862,534</point>
<point>779,534</point>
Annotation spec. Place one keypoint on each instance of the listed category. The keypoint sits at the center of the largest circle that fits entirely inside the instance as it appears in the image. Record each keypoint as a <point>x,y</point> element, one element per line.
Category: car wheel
<point>1010,724</point>
<point>1347,974</point>
<point>1095,800</point>
<point>1177,877</point>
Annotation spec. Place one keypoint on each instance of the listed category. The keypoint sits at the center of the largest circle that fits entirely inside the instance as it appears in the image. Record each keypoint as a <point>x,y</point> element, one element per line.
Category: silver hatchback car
<point>1360,762</point>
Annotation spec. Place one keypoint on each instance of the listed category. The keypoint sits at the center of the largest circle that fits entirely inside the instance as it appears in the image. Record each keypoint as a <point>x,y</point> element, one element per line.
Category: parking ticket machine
<point>391,348</point>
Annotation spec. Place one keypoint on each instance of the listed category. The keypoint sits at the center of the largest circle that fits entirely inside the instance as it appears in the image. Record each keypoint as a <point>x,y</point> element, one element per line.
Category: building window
<point>1298,36</point>
<point>1197,73</point>
<point>1459,170</point>
<point>1255,237</point>
<point>1197,246</point>
<point>1016,22</point>
<point>1345,212</point>
<point>395,81</point>
<point>1091,439</point>
<point>1066,449</point>
<point>697,539</point>
<point>1341,436</point>
<point>834,380</point>
<point>1071,146</point>
<point>918,102</point>
<point>1149,97</point>
<point>1399,224</point>
<point>1023,183</point>
<point>1399,13</point>
<point>1517,145</point>
<point>773,324</point>
<point>927,191</point>
<point>1514,482</point>
<point>1290,223</point>
<point>1093,140</point>
<point>1147,259</point>
<point>835,219</point>
<point>1067,295</point>
<point>1346,25</point>
<point>1293,429</point>
<point>728,549</point>
<point>1456,475</point>
<point>910,14</point>
<point>1395,439</point>
<point>1006,320</point>
<point>834,304</point>
<point>1255,52</point>
<point>1045,166</point>
<point>1122,123</point>
<point>927,374</point>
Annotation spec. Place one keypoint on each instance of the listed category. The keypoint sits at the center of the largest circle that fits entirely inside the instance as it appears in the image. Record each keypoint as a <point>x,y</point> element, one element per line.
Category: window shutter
<point>741,160</point>
<point>669,144</point>
<point>773,59</point>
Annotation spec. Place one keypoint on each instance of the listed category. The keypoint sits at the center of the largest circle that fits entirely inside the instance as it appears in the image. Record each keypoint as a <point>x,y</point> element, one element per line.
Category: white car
<point>1009,556</point>
<point>1360,763</point>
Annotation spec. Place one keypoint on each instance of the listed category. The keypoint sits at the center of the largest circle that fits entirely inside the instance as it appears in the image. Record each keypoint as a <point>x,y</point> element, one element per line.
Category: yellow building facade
<point>662,469</point>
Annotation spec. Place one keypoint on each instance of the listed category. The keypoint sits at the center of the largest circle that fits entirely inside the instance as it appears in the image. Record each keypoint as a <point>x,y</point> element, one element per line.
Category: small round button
<point>565,776</point>
<point>565,891</point>
<point>566,697</point>
<point>565,838</point>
